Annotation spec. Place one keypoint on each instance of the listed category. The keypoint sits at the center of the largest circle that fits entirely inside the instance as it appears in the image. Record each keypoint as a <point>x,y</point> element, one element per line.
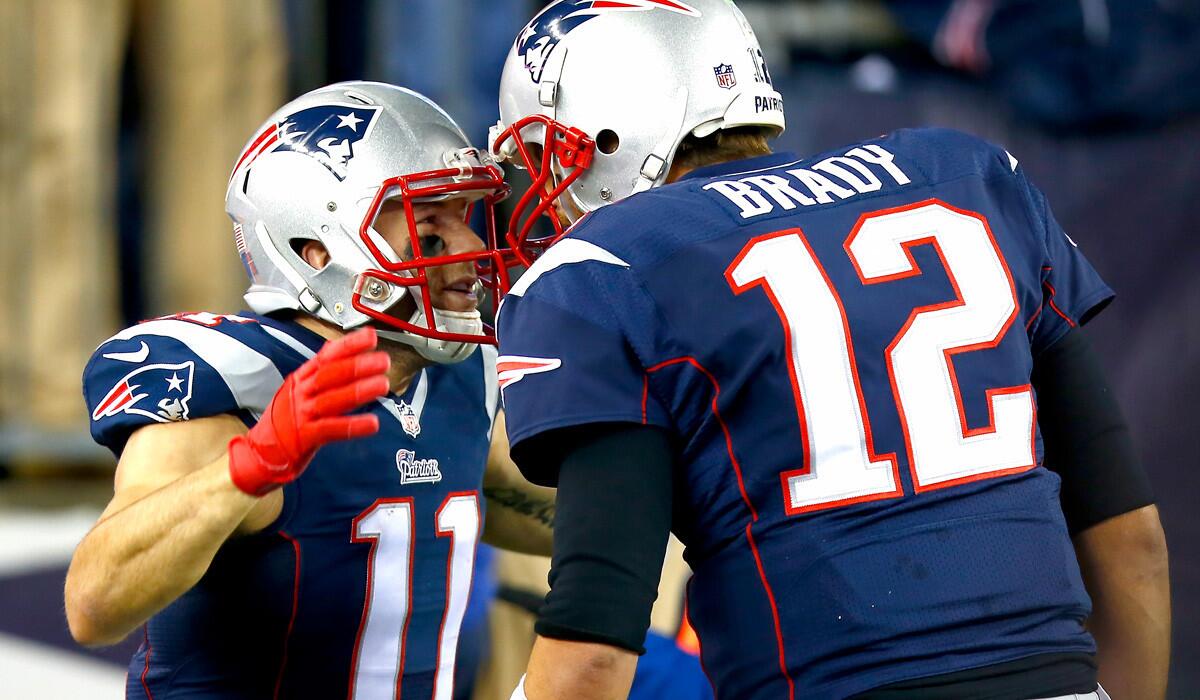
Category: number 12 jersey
<point>842,346</point>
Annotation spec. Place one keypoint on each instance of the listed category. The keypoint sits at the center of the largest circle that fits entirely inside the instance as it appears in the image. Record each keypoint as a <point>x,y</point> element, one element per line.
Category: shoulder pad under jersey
<point>184,367</point>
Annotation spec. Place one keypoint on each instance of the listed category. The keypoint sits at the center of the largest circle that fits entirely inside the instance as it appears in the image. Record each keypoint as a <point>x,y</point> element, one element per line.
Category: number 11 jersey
<point>359,588</point>
<point>842,347</point>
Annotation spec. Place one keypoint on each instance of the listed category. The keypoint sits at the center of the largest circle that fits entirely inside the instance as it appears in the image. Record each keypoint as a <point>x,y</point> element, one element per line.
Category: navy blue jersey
<point>358,590</point>
<point>842,346</point>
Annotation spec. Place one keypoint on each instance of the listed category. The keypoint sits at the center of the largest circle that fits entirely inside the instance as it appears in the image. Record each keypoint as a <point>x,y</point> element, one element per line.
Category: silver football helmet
<point>320,169</point>
<point>596,97</point>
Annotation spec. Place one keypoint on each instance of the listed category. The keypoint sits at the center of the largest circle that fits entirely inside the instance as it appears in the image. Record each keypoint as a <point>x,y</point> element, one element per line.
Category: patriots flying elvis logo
<point>160,392</point>
<point>327,133</point>
<point>537,41</point>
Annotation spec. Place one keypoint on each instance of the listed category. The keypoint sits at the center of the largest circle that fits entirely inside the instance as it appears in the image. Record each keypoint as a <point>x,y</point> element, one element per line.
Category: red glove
<point>308,412</point>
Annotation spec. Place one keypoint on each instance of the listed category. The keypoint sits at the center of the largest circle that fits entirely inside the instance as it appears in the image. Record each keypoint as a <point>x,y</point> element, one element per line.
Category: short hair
<point>724,145</point>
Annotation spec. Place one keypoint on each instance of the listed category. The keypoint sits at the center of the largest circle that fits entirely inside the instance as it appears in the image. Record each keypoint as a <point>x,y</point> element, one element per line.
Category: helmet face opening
<point>374,294</point>
<point>556,156</point>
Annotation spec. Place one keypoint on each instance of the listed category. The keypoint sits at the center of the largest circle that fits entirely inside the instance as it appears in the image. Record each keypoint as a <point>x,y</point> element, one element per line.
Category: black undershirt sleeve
<point>612,519</point>
<point>1087,441</point>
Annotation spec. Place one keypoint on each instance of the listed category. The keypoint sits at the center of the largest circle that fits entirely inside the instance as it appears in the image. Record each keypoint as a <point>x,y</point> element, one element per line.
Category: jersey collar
<point>311,340</point>
<point>747,165</point>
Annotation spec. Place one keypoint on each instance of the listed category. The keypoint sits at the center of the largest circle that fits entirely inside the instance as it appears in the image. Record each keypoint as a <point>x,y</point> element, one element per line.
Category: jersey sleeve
<point>171,370</point>
<point>1072,290</point>
<point>570,345</point>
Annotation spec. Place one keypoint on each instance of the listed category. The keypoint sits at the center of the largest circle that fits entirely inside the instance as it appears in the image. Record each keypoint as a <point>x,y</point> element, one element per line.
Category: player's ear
<point>313,253</point>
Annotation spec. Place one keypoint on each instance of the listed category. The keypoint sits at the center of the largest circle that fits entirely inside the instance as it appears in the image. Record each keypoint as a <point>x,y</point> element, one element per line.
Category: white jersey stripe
<point>291,342</point>
<point>566,252</point>
<point>251,376</point>
<point>491,385</point>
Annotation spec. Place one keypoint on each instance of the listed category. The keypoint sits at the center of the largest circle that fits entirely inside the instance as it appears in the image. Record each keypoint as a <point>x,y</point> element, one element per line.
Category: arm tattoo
<point>538,509</point>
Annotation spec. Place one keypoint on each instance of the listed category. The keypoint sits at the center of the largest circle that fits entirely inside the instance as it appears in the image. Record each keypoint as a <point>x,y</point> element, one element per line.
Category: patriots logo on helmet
<point>537,41</point>
<point>168,389</point>
<point>327,133</point>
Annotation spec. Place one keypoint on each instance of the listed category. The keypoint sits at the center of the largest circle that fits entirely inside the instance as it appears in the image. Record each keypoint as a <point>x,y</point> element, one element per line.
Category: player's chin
<point>456,300</point>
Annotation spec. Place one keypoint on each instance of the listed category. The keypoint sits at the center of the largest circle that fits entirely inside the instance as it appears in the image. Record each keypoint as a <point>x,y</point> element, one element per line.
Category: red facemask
<point>491,264</point>
<point>566,152</point>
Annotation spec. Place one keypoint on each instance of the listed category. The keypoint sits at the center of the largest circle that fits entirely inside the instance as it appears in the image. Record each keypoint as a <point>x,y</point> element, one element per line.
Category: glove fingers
<point>349,344</point>
<point>328,430</point>
<point>335,402</point>
<point>343,371</point>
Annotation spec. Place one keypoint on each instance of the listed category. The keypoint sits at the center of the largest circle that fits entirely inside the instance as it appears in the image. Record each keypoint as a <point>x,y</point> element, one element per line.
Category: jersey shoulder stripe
<point>566,252</point>
<point>185,367</point>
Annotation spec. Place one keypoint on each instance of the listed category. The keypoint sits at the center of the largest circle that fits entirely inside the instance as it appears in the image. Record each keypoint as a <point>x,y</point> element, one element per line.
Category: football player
<point>298,503</point>
<point>820,373</point>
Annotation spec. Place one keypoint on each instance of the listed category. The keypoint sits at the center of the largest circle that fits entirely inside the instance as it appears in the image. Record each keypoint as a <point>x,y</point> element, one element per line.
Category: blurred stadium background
<point>120,119</point>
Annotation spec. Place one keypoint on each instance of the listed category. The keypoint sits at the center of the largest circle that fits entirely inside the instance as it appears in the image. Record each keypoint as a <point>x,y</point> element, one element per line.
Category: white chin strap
<point>443,352</point>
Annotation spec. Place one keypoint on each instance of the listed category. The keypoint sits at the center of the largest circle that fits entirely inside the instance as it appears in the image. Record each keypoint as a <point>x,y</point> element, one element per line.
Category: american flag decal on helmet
<point>511,369</point>
<point>239,240</point>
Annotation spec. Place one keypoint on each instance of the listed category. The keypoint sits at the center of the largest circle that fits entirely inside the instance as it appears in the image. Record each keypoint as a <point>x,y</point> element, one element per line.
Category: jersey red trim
<point>737,468</point>
<point>146,669</point>
<point>287,637</point>
<point>774,612</point>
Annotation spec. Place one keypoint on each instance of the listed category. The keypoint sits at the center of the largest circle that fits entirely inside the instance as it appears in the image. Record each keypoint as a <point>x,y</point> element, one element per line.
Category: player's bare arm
<point>1109,508</point>
<point>173,506</point>
<point>1124,566</point>
<point>560,668</point>
<point>520,515</point>
<point>180,493</point>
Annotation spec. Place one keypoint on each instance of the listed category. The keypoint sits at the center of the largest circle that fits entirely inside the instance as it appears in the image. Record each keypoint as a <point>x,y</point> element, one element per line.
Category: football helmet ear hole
<point>607,141</point>
<point>299,244</point>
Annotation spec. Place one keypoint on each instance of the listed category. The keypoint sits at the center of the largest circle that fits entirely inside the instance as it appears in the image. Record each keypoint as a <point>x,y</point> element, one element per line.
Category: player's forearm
<point>520,515</point>
<point>520,519</point>
<point>565,670</point>
<point>1124,565</point>
<point>139,559</point>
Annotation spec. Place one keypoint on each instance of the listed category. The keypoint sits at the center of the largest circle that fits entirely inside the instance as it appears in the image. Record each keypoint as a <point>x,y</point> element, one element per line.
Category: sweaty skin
<point>174,503</point>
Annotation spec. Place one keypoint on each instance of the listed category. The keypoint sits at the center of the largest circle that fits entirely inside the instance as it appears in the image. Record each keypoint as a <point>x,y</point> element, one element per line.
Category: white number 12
<point>841,466</point>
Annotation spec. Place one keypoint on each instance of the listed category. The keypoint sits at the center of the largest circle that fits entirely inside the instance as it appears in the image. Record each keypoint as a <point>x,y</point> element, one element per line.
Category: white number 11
<point>378,665</point>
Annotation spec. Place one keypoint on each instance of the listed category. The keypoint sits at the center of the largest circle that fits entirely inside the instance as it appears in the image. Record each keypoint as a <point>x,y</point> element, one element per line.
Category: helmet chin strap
<point>444,352</point>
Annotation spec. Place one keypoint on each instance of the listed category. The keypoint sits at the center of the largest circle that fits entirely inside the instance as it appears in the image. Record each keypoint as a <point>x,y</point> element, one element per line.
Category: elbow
<point>86,619</point>
<point>1149,546</point>
<point>1154,554</point>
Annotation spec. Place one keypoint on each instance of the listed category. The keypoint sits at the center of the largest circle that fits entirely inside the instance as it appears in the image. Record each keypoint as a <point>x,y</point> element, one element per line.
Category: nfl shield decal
<point>725,77</point>
<point>409,420</point>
